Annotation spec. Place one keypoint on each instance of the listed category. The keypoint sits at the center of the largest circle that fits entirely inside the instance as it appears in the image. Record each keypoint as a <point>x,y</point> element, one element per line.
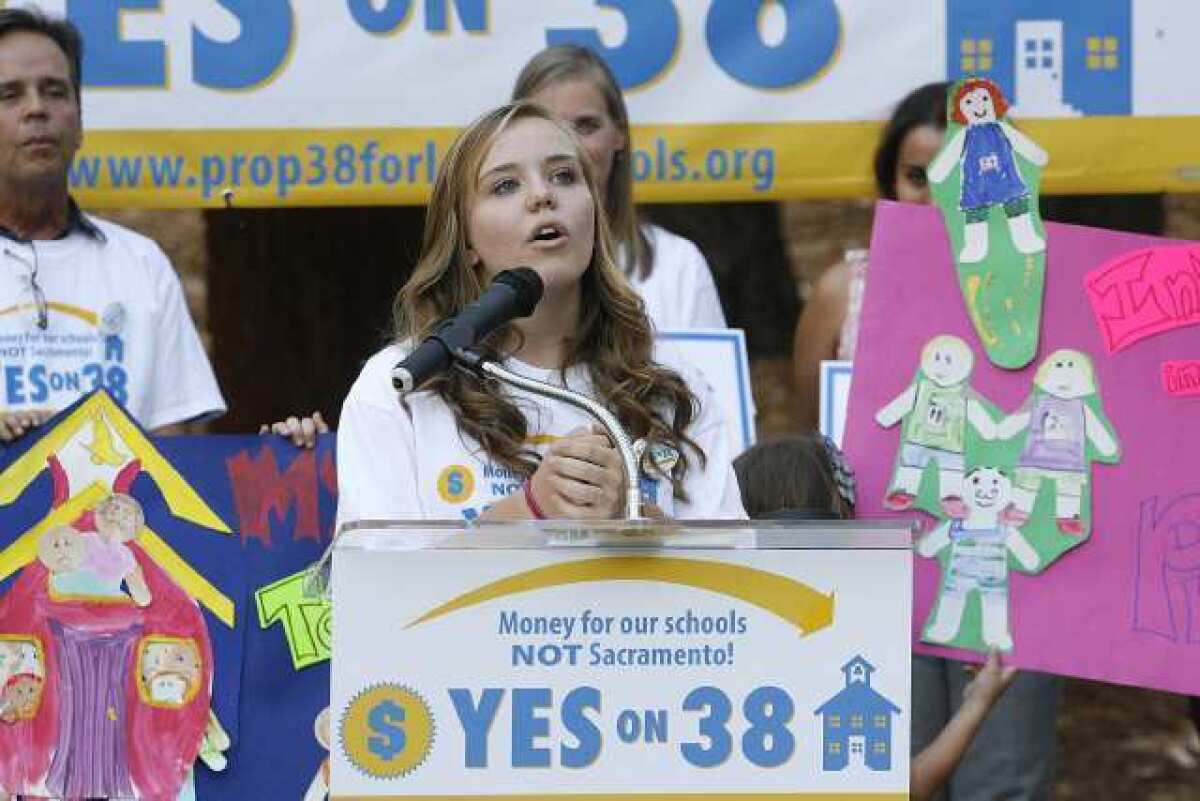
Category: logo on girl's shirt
<point>456,484</point>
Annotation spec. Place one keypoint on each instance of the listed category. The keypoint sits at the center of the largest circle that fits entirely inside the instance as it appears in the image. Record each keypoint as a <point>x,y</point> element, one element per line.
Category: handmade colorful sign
<point>220,517</point>
<point>1142,293</point>
<point>985,180</point>
<point>1078,429</point>
<point>509,670</point>
<point>108,679</point>
<point>283,501</point>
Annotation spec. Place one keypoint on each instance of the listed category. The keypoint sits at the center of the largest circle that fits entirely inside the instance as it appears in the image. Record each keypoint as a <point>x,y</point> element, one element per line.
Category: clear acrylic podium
<point>556,659</point>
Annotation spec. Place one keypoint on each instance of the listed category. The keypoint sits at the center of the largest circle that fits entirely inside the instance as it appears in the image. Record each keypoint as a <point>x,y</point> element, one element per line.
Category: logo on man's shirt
<point>52,367</point>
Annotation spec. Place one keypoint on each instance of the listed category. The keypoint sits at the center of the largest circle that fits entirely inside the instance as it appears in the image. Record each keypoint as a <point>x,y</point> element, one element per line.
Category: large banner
<point>287,102</point>
<point>702,670</point>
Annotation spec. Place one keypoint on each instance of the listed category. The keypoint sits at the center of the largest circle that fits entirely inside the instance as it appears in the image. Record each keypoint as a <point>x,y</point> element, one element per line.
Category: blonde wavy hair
<point>561,63</point>
<point>613,339</point>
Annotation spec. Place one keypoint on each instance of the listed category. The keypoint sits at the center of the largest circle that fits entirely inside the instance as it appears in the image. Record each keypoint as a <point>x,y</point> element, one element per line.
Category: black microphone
<point>513,294</point>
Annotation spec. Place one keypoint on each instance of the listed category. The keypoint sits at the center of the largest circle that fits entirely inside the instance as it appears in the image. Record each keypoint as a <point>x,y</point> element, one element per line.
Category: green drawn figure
<point>979,546</point>
<point>936,408</point>
<point>1064,425</point>
<point>985,182</point>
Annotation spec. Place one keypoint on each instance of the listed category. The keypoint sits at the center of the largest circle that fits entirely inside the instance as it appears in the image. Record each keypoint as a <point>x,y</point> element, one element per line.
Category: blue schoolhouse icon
<point>1052,58</point>
<point>857,722</point>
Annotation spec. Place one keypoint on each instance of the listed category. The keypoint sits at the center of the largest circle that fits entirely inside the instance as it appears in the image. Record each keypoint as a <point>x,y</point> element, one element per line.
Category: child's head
<point>987,489</point>
<point>119,517</point>
<point>61,549</point>
<point>978,100</point>
<point>170,671</point>
<point>947,360</point>
<point>803,476</point>
<point>19,698</point>
<point>1066,374</point>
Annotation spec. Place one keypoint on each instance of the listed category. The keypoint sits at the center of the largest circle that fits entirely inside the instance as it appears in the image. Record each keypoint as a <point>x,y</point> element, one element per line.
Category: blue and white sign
<point>835,398</point>
<point>716,669</point>
<point>730,99</point>
<point>720,355</point>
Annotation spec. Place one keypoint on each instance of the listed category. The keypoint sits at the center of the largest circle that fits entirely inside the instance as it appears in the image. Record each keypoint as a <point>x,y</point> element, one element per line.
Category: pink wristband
<point>531,502</point>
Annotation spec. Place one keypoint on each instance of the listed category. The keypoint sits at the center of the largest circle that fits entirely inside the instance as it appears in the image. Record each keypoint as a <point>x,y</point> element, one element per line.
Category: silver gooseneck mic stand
<point>471,362</point>
<point>318,581</point>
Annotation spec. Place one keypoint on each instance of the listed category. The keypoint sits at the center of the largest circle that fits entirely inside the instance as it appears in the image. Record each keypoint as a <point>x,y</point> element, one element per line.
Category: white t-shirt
<point>116,318</point>
<point>680,291</point>
<point>398,464</point>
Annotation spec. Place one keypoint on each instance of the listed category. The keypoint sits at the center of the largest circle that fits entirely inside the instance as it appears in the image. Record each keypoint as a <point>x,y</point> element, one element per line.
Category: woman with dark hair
<point>668,271</point>
<point>828,327</point>
<point>516,189</point>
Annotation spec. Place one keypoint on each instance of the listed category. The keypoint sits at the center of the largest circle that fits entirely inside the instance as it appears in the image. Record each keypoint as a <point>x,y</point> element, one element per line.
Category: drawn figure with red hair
<point>984,148</point>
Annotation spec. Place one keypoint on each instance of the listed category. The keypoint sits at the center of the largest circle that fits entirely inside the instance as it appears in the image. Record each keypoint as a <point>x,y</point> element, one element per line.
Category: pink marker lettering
<point>1145,292</point>
<point>1181,378</point>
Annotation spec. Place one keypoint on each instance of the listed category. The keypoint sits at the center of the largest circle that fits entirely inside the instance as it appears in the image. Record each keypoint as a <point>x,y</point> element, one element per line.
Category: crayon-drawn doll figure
<point>119,520</point>
<point>1059,425</point>
<point>169,672</point>
<point>936,408</point>
<point>984,149</point>
<point>978,562</point>
<point>318,789</point>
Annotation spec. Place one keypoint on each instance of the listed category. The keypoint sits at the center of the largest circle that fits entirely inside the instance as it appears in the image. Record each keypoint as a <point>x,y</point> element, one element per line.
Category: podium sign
<point>538,661</point>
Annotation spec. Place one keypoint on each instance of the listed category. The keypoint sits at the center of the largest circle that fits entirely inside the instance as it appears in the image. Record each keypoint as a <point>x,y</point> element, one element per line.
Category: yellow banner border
<point>1092,155</point>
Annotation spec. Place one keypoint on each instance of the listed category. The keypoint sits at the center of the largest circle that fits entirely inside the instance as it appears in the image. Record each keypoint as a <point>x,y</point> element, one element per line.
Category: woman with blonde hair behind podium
<point>516,189</point>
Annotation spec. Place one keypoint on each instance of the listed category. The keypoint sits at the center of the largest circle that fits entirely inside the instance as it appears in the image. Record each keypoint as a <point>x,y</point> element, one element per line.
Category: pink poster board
<point>1123,607</point>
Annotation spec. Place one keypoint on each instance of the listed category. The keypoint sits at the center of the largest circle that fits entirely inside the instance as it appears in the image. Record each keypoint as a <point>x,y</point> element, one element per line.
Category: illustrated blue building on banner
<point>857,722</point>
<point>1052,58</point>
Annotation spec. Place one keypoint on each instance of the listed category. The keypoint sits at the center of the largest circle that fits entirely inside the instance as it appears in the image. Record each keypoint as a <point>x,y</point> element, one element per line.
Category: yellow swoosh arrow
<point>796,602</point>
